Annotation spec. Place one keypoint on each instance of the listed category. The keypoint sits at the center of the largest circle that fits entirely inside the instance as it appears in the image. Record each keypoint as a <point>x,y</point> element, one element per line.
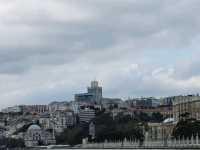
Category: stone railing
<point>172,143</point>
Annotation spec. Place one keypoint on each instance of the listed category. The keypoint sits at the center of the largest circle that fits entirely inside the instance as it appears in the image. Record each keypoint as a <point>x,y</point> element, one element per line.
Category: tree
<point>115,106</point>
<point>72,136</point>
<point>106,128</point>
<point>186,128</point>
<point>118,129</point>
<point>12,143</point>
<point>144,117</point>
<point>111,107</point>
<point>120,118</point>
<point>185,115</point>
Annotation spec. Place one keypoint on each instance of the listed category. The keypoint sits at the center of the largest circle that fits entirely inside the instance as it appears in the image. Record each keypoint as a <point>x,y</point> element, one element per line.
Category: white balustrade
<point>173,143</point>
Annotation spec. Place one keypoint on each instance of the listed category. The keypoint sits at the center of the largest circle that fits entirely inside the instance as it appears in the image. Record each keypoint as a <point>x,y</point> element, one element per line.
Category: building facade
<point>53,106</point>
<point>35,108</point>
<point>35,136</point>
<point>186,105</point>
<point>161,131</point>
<point>166,107</point>
<point>62,120</point>
<point>45,121</point>
<point>93,95</point>
<point>86,115</point>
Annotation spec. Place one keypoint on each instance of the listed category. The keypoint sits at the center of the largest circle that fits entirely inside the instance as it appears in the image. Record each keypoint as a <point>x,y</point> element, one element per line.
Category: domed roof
<point>34,127</point>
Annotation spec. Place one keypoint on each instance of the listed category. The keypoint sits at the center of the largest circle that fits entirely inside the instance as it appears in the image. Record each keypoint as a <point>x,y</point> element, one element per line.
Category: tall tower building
<point>93,95</point>
<point>96,91</point>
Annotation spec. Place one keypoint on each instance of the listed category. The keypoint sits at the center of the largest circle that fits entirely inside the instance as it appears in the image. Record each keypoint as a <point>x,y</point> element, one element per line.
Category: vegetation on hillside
<point>123,126</point>
<point>106,128</point>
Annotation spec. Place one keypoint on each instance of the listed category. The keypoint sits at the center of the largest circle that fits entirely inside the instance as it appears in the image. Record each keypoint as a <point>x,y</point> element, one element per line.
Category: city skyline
<point>50,50</point>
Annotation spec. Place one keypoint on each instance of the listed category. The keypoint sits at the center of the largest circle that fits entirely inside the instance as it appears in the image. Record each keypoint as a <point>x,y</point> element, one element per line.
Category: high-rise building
<point>96,91</point>
<point>86,115</point>
<point>93,95</point>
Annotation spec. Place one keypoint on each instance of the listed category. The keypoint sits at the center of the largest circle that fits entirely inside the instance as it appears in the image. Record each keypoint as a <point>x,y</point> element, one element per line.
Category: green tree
<point>186,128</point>
<point>72,136</point>
<point>12,143</point>
<point>157,117</point>
<point>118,129</point>
<point>144,117</point>
<point>106,128</point>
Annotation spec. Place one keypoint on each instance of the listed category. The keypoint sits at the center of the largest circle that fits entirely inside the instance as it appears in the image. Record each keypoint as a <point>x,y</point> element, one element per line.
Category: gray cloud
<point>51,49</point>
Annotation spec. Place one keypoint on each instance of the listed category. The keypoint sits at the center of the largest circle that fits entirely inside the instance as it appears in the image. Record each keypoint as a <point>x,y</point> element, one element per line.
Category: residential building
<point>45,121</point>
<point>108,103</point>
<point>54,106</point>
<point>38,109</point>
<point>63,119</point>
<point>14,109</point>
<point>143,102</point>
<point>166,107</point>
<point>86,115</point>
<point>74,106</point>
<point>183,105</point>
<point>147,102</point>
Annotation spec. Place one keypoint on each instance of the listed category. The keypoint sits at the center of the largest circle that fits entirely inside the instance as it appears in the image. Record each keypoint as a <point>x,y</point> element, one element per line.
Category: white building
<point>189,104</point>
<point>36,136</point>
<point>54,106</point>
<point>86,115</point>
<point>38,109</point>
<point>63,119</point>
<point>14,109</point>
<point>44,121</point>
<point>74,106</point>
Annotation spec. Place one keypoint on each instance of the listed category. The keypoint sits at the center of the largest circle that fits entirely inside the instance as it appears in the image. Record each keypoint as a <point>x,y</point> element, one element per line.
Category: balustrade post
<point>175,142</point>
<point>188,141</point>
<point>192,140</point>
<point>185,142</point>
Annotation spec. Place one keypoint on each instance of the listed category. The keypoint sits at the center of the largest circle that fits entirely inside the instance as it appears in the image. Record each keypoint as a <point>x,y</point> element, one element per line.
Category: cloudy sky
<point>51,49</point>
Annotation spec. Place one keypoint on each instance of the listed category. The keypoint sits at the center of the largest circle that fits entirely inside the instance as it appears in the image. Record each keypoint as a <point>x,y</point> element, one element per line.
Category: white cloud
<point>52,49</point>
